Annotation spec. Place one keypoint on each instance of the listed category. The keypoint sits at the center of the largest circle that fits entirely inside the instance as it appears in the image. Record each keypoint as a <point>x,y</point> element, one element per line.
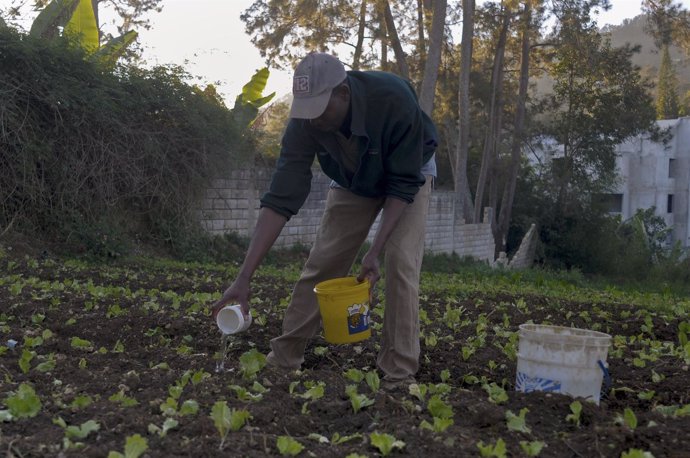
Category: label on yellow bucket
<point>357,318</point>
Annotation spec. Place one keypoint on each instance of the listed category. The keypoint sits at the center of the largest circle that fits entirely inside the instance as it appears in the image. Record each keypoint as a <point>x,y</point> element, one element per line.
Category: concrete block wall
<point>232,205</point>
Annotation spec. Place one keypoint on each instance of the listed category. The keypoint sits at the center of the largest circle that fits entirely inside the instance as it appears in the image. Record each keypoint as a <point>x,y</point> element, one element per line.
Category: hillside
<point>633,31</point>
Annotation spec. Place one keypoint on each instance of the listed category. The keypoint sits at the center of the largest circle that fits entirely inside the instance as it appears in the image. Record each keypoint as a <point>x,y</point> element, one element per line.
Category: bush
<point>83,149</point>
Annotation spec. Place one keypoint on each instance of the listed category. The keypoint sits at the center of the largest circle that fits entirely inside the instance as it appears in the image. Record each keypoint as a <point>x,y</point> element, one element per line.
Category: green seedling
<point>497,450</point>
<point>385,443</point>
<point>135,446</point>
<point>24,403</point>
<point>629,419</point>
<point>354,375</point>
<point>226,420</point>
<point>79,402</point>
<point>438,426</point>
<point>25,360</point>
<point>532,448</point>
<point>122,399</point>
<point>337,439</point>
<point>373,381</point>
<point>576,412</point>
<point>517,422</point>
<point>497,395</point>
<point>287,446</point>
<point>251,363</point>
<point>73,432</point>
<point>419,390</point>
<point>243,394</point>
<point>162,431</point>
<point>358,401</point>
<point>646,395</point>
<point>81,344</point>
<point>438,408</point>
<point>47,365</point>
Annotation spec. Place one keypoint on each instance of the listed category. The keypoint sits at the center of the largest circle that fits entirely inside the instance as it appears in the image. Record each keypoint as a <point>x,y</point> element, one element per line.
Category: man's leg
<point>342,231</point>
<point>399,354</point>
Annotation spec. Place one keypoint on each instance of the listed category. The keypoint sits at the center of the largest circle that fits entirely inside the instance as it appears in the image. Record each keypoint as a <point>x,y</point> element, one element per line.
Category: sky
<point>208,38</point>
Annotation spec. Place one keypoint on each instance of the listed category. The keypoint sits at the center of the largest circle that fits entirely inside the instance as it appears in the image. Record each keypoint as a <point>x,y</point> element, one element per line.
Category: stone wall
<point>232,205</point>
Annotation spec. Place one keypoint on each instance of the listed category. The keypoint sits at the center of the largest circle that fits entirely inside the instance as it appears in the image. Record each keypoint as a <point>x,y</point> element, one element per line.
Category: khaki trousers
<point>344,227</point>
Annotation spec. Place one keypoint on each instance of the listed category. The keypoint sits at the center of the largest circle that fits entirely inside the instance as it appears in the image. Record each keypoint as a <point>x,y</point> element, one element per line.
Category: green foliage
<point>54,15</point>
<point>287,446</point>
<point>358,401</point>
<point>517,422</point>
<point>497,450</point>
<point>576,412</point>
<point>532,448</point>
<point>385,443</point>
<point>118,181</point>
<point>135,446</point>
<point>497,394</point>
<point>24,403</point>
<point>438,408</point>
<point>77,432</point>
<point>251,363</point>
<point>667,104</point>
<point>247,104</point>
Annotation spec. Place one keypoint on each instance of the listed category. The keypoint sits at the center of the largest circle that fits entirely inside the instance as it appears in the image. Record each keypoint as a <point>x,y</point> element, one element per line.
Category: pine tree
<point>667,106</point>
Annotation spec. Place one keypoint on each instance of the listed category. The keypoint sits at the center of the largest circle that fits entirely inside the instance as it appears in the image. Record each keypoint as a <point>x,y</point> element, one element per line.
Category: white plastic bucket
<point>562,360</point>
<point>230,319</point>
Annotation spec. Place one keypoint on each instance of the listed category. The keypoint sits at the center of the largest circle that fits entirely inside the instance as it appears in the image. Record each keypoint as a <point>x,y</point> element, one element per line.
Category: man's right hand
<point>237,293</point>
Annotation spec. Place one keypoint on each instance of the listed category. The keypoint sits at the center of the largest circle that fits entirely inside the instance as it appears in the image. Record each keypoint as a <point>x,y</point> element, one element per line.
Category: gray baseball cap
<point>312,84</point>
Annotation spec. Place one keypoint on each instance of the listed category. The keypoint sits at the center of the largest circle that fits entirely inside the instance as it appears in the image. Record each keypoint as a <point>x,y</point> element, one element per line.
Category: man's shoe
<point>391,384</point>
<point>273,364</point>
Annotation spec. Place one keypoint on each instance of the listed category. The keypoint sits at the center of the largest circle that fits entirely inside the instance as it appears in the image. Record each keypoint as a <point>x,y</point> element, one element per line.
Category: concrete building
<point>657,175</point>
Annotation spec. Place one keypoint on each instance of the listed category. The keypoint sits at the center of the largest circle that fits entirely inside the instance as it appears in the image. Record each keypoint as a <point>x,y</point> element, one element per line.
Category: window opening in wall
<point>671,168</point>
<point>669,204</point>
<point>612,203</point>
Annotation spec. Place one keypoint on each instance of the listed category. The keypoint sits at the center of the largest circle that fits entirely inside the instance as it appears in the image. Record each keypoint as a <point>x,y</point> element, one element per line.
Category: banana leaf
<point>54,15</point>
<point>110,52</point>
<point>82,27</point>
<point>247,104</point>
<point>252,92</point>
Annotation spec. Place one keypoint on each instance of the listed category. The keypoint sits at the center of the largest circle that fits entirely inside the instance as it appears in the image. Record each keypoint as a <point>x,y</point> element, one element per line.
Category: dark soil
<point>165,320</point>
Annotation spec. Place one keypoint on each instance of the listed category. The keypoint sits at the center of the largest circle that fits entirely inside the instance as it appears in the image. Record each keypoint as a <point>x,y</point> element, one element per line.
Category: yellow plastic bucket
<point>344,306</point>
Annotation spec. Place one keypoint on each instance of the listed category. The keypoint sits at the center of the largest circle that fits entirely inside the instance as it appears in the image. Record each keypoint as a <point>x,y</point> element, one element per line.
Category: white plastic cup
<point>230,319</point>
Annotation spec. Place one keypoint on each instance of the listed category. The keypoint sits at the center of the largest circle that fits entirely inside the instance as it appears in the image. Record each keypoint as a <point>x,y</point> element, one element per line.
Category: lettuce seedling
<point>358,401</point>
<point>22,404</point>
<point>385,443</point>
<point>497,450</point>
<point>135,446</point>
<point>576,409</point>
<point>532,448</point>
<point>517,422</point>
<point>287,446</point>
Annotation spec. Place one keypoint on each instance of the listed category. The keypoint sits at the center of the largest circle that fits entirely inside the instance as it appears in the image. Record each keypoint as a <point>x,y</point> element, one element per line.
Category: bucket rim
<point>341,285</point>
<point>563,331</point>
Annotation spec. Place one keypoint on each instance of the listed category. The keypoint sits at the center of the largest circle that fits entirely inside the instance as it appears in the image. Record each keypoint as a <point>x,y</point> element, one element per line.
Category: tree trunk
<point>518,134</point>
<point>360,35</point>
<point>428,89</point>
<point>421,45</point>
<point>489,149</point>
<point>382,35</point>
<point>392,33</point>
<point>462,187</point>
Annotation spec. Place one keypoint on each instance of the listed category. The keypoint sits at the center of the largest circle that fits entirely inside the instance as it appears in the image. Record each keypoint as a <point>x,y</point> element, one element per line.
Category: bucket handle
<point>607,378</point>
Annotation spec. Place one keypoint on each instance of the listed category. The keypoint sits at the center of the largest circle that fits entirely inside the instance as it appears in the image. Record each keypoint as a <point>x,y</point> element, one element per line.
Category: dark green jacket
<point>395,139</point>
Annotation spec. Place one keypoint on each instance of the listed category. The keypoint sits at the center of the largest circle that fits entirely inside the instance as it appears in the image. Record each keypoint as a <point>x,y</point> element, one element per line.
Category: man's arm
<point>267,229</point>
